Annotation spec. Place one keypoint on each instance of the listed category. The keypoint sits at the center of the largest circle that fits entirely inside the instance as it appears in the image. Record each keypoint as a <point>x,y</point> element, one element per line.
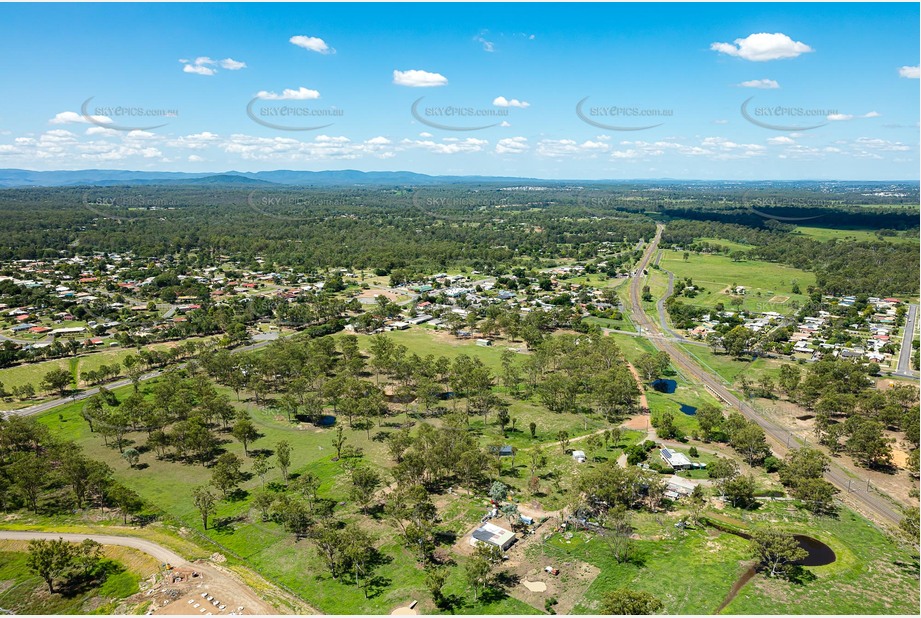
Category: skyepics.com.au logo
<point>785,117</point>
<point>458,208</point>
<point>124,117</point>
<point>785,210</point>
<point>297,207</point>
<point>604,204</point>
<point>621,117</point>
<point>291,111</point>
<point>124,207</point>
<point>457,117</point>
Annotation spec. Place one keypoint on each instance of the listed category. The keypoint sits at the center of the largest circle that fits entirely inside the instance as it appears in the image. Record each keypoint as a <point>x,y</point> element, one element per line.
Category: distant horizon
<point>238,172</point>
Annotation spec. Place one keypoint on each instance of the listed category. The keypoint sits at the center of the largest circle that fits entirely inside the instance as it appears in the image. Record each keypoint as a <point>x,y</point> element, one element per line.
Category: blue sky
<point>835,89</point>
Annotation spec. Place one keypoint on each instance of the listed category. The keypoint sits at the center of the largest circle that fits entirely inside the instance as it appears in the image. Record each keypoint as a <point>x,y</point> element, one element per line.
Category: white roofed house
<point>676,460</point>
<point>491,534</point>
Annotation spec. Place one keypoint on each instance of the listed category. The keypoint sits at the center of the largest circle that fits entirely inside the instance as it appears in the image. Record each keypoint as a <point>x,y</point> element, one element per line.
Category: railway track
<point>855,490</point>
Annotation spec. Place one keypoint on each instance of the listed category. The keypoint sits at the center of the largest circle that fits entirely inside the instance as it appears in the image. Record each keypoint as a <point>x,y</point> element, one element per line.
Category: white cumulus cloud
<point>512,145</point>
<point>198,70</point>
<point>910,72</point>
<point>415,78</point>
<point>288,94</point>
<point>312,43</point>
<point>503,102</point>
<point>448,145</point>
<point>204,65</point>
<point>763,46</point>
<point>839,117</point>
<point>232,65</point>
<point>766,84</point>
<point>69,117</point>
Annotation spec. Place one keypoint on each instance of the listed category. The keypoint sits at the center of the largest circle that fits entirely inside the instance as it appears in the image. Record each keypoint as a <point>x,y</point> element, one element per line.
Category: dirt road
<point>148,547</point>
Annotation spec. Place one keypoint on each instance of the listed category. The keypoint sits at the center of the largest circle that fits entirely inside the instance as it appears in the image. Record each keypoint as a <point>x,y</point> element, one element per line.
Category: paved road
<point>148,547</point>
<point>260,340</point>
<point>660,308</point>
<point>665,330</point>
<point>872,503</point>
<point>16,341</point>
<point>911,323</point>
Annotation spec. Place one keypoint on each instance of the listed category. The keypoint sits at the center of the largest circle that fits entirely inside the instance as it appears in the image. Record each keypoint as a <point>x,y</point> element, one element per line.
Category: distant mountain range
<point>26,178</point>
<point>13,178</point>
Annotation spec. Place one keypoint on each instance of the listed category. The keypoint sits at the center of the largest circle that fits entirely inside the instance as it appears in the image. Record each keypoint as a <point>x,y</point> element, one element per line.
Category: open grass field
<point>598,280</point>
<point>762,280</point>
<point>424,340</point>
<point>733,246</point>
<point>729,368</point>
<point>33,373</point>
<point>657,280</point>
<point>688,571</point>
<point>860,235</point>
<point>872,574</point>
<point>623,324</point>
<point>692,571</point>
<point>632,347</point>
<point>682,403</point>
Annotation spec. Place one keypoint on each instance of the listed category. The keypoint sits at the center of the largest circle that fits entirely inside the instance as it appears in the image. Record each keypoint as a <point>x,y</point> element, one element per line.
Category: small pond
<point>665,386</point>
<point>820,554</point>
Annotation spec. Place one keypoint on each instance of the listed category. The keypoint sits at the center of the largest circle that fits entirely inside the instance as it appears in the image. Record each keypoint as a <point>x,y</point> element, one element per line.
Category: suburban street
<point>854,488</point>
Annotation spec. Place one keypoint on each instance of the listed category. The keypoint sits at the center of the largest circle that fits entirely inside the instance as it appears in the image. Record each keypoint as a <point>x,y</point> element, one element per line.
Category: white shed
<point>492,534</point>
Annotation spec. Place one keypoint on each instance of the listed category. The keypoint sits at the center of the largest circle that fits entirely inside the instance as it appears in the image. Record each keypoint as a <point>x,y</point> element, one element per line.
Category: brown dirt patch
<point>568,587</point>
<point>779,299</point>
<point>900,458</point>
<point>370,294</point>
<point>638,422</point>
<point>221,584</point>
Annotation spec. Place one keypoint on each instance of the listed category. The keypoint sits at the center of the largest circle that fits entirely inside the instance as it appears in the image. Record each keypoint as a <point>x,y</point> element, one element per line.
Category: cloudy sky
<point>736,91</point>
